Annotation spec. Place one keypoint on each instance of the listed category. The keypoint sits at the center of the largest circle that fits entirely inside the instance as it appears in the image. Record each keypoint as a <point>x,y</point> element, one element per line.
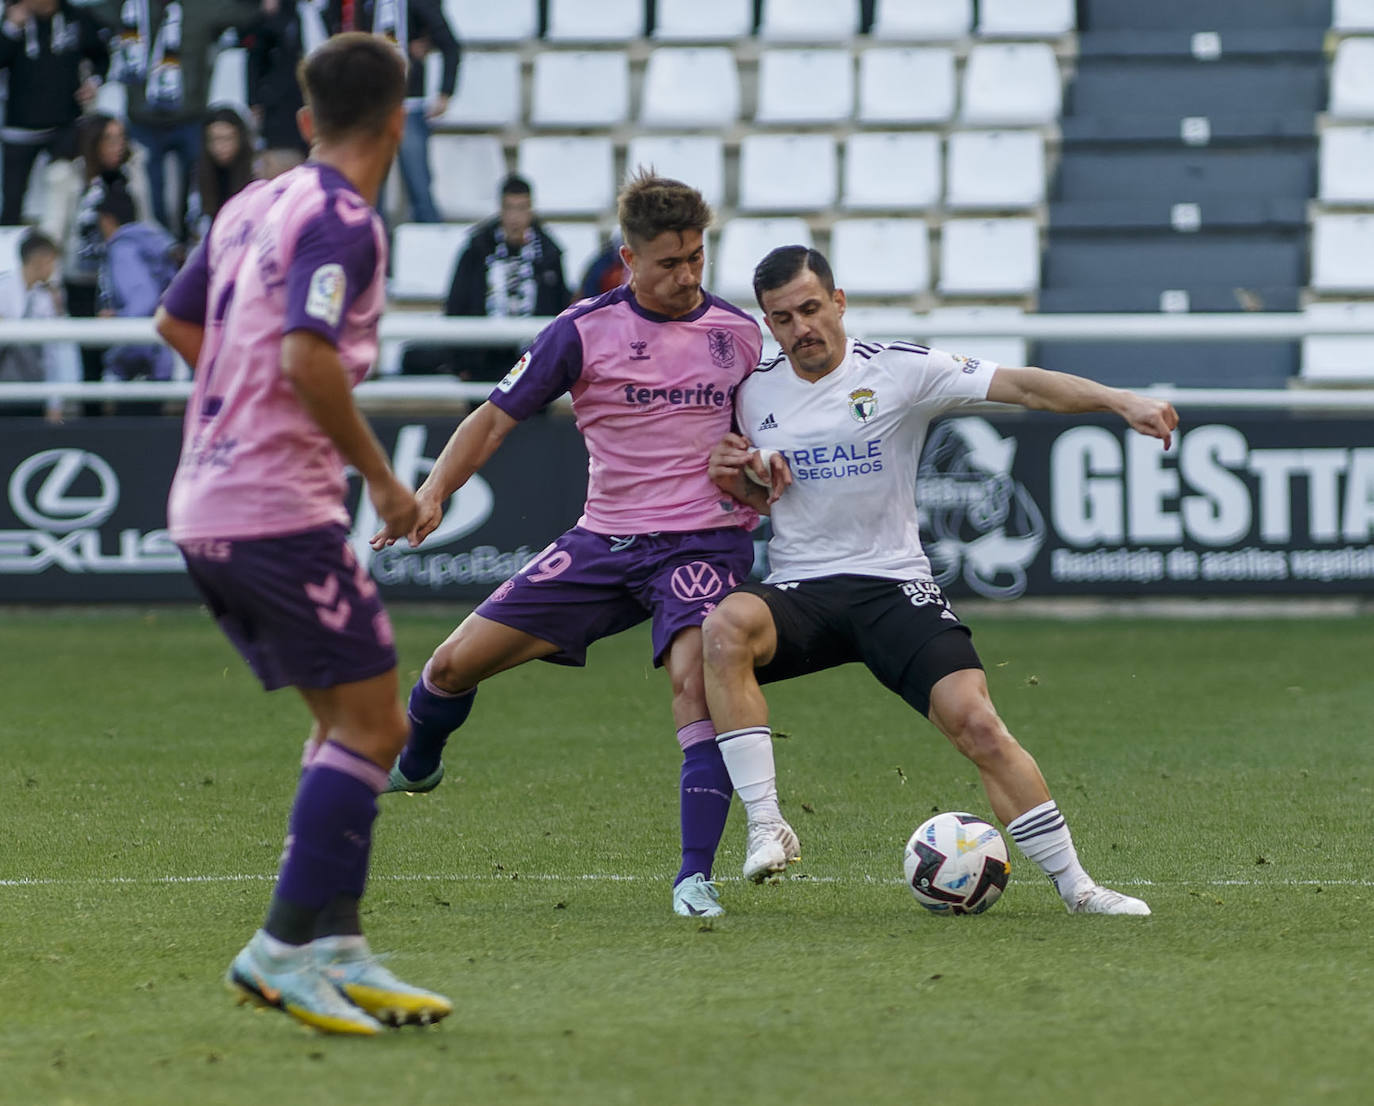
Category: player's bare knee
<point>983,738</point>
<point>727,638</point>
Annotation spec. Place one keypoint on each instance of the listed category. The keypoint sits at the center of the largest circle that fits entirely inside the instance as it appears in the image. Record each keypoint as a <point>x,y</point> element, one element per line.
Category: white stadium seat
<point>569,176</point>
<point>891,171</point>
<point>580,88</point>
<point>1025,18</point>
<point>900,84</point>
<point>1341,248</point>
<point>805,86</point>
<point>1339,358</point>
<point>963,325</point>
<point>475,21</point>
<point>423,257</point>
<point>994,169</point>
<point>808,20</point>
<point>697,159</point>
<point>580,243</point>
<point>229,80</point>
<point>595,20</point>
<point>467,171</point>
<point>113,99</point>
<point>1352,79</point>
<point>786,172</point>
<point>989,257</point>
<point>1011,84</point>
<point>1346,166</point>
<point>690,87</point>
<point>743,243</point>
<point>927,20</point>
<point>880,257</point>
<point>703,20</point>
<point>1353,15</point>
<point>488,90</point>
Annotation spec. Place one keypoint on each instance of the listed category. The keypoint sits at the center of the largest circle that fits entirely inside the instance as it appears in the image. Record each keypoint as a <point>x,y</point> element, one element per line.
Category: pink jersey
<point>651,395</point>
<point>302,252</point>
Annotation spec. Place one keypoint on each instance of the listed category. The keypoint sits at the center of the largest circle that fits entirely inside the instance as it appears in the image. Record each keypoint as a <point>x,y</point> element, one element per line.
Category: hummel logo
<point>769,422</point>
<point>639,348</point>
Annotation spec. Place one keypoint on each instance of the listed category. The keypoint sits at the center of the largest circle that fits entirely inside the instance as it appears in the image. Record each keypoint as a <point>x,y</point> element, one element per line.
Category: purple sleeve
<point>548,369</point>
<point>185,296</point>
<point>334,263</point>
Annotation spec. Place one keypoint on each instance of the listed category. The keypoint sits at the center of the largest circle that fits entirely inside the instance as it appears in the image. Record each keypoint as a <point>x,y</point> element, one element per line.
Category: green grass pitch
<point>1222,770</point>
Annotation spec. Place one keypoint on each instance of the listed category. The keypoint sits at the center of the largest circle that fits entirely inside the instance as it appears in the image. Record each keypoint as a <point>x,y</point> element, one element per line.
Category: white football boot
<point>1103,900</point>
<point>770,847</point>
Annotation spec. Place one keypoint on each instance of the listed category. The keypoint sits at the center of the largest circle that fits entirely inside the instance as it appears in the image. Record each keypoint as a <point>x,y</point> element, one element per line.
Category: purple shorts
<point>588,586</point>
<point>300,609</point>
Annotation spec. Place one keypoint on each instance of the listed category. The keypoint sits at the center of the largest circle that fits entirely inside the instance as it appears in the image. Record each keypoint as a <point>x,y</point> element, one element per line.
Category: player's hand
<point>727,460</point>
<point>769,468</point>
<point>1153,417</point>
<point>396,507</point>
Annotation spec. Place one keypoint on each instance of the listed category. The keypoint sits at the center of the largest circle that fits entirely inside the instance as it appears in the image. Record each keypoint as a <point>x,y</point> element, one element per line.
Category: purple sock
<point>704,796</point>
<point>329,839</point>
<point>433,715</point>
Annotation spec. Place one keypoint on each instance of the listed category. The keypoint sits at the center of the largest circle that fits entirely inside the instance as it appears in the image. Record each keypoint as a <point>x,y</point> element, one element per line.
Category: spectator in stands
<point>510,267</point>
<point>165,55</point>
<point>605,271</point>
<point>140,261</point>
<point>276,43</point>
<point>224,168</point>
<point>55,55</point>
<point>417,27</point>
<point>33,293</point>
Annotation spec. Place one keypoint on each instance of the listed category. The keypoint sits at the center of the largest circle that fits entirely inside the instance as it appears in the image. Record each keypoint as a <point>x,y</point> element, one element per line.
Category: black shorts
<point>903,630</point>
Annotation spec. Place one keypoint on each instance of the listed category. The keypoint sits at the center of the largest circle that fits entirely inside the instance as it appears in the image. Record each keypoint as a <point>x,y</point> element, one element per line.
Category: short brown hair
<point>650,204</point>
<point>353,83</point>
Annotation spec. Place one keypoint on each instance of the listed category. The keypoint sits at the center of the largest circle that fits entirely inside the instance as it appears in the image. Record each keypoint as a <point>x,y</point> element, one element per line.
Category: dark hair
<point>785,263</point>
<point>515,185</point>
<point>91,130</point>
<point>118,204</point>
<point>352,84</point>
<point>217,183</point>
<point>35,242</point>
<point>649,205</point>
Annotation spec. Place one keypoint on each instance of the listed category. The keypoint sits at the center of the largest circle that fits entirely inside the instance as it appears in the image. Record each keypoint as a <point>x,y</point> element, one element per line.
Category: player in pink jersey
<point>278,312</point>
<point>652,368</point>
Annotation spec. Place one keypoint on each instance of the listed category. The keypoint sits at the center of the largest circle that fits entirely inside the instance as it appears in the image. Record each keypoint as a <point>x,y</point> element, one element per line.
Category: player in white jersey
<point>834,430</point>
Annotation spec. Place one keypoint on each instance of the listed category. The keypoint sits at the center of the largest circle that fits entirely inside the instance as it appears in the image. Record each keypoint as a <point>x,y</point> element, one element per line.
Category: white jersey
<point>853,440</point>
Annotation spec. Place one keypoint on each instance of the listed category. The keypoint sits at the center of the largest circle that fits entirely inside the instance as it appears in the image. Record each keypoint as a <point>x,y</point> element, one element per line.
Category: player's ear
<point>305,123</point>
<point>838,297</point>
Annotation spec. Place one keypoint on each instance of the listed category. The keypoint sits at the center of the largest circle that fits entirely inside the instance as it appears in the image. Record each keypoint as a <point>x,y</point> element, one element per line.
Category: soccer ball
<point>956,863</point>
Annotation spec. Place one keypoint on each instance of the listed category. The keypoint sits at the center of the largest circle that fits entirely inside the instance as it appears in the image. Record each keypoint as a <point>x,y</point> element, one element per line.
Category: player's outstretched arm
<point>1065,394</point>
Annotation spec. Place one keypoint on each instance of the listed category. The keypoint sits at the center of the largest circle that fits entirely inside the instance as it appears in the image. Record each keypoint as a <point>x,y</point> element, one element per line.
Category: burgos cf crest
<point>722,346</point>
<point>863,404</point>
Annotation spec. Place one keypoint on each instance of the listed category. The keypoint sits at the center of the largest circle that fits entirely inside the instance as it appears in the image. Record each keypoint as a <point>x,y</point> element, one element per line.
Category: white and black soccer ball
<point>956,863</point>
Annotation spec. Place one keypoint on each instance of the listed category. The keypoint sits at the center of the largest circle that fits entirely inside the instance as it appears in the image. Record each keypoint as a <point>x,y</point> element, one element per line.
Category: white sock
<point>1043,837</point>
<point>748,756</point>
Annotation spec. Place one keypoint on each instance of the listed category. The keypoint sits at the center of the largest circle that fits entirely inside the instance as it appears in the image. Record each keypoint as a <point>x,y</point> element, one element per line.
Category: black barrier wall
<point>1243,504</point>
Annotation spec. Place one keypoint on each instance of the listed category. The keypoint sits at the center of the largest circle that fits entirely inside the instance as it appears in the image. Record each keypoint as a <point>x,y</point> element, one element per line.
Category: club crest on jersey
<point>721,343</point>
<point>967,364</point>
<point>326,296</point>
<point>863,404</point>
<point>516,372</point>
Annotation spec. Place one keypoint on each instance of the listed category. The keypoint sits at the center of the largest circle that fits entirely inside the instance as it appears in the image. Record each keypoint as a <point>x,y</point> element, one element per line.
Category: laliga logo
<point>55,507</point>
<point>976,520</point>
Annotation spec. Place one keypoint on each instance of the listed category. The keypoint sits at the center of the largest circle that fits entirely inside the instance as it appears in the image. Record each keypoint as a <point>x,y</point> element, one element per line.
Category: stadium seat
<point>880,257</point>
<point>1011,84</point>
<point>423,257</point>
<point>1086,174</point>
<point>697,159</point>
<point>1352,79</point>
<point>1218,212</point>
<point>1184,298</point>
<point>1341,248</point>
<point>805,86</point>
<point>1346,166</point>
<point>469,169</point>
<point>709,72</point>
<point>1186,87</point>
<point>1338,358</point>
<point>1201,14</point>
<point>703,20</point>
<point>229,80</point>
<point>903,21</point>
<point>957,330</point>
<point>112,98</point>
<point>1204,47</point>
<point>891,171</point>
<point>595,20</point>
<point>787,172</point>
<point>994,169</point>
<point>569,175</point>
<point>580,88</point>
<point>1025,18</point>
<point>488,90</point>
<point>743,244</point>
<point>989,257</point>
<point>1169,129</point>
<point>482,21</point>
<point>889,92</point>
<point>1214,364</point>
<point>1223,260</point>
<point>1353,15</point>
<point>808,21</point>
<point>580,243</point>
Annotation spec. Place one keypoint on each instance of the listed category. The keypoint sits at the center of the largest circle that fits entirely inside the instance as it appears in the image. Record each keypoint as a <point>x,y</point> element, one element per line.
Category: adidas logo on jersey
<point>769,422</point>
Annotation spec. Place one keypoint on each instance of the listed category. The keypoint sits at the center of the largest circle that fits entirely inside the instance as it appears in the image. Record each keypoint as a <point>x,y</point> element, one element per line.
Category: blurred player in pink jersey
<point>652,368</point>
<point>278,312</point>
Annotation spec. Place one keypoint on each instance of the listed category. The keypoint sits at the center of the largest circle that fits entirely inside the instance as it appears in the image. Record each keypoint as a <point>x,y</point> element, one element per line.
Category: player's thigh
<point>740,628</point>
<point>365,716</point>
<point>682,577</point>
<point>810,628</point>
<point>480,648</point>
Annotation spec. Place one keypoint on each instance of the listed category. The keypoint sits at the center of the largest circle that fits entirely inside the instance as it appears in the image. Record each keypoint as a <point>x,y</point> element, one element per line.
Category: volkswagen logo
<point>694,581</point>
<point>41,490</point>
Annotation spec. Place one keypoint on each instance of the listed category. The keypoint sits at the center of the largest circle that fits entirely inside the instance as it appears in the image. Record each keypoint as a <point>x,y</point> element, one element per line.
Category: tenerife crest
<point>722,346</point>
<point>863,404</point>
